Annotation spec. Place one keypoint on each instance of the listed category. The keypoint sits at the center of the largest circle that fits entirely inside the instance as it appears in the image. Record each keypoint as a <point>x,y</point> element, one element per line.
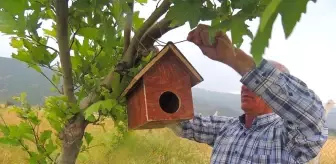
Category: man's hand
<point>222,50</point>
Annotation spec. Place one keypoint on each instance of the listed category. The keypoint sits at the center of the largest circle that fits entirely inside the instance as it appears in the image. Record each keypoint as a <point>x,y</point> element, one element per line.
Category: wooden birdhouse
<point>160,93</point>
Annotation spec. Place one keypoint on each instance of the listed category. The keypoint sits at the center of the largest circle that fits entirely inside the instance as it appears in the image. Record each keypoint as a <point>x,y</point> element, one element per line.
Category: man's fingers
<point>208,51</point>
<point>191,35</point>
<point>204,34</point>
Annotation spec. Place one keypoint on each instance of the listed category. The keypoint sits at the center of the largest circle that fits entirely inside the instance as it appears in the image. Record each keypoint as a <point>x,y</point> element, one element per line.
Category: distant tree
<point>101,45</point>
<point>8,103</point>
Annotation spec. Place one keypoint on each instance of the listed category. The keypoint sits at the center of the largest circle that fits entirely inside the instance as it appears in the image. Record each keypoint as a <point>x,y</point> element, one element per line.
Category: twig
<point>39,43</point>
<point>180,41</point>
<point>26,149</point>
<point>73,38</point>
<point>157,4</point>
<point>59,91</point>
<point>37,141</point>
<point>89,147</point>
<point>173,42</point>
<point>50,67</point>
<point>19,140</point>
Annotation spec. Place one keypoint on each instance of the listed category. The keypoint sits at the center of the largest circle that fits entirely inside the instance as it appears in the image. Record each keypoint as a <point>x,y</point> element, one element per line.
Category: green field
<point>159,146</point>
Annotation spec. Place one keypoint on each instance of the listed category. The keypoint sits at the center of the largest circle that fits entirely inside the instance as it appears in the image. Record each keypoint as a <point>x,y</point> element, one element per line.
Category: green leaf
<point>238,30</point>
<point>4,130</point>
<point>141,1</point>
<point>22,56</point>
<point>270,10</point>
<point>290,12</point>
<point>88,32</point>
<point>216,26</point>
<point>54,122</point>
<point>185,11</point>
<point>14,7</point>
<point>50,32</point>
<point>35,67</point>
<point>137,21</point>
<point>91,118</point>
<point>88,138</point>
<point>103,104</point>
<point>50,147</point>
<point>45,135</point>
<point>207,14</point>
<point>33,118</point>
<point>9,141</point>
<point>260,41</point>
<point>55,79</point>
<point>16,43</point>
<point>7,23</point>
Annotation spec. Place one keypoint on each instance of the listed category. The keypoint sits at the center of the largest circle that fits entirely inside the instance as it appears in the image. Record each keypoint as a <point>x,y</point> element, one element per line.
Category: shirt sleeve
<point>303,114</point>
<point>203,129</point>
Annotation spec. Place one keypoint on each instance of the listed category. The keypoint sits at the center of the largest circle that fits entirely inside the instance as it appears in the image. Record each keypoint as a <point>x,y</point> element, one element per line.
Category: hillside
<point>15,78</point>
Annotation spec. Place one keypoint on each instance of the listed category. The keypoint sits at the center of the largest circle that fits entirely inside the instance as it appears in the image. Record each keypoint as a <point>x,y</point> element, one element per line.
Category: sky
<point>309,53</point>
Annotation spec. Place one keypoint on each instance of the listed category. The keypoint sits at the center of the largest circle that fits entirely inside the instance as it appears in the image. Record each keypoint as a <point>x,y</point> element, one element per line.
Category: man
<point>283,120</point>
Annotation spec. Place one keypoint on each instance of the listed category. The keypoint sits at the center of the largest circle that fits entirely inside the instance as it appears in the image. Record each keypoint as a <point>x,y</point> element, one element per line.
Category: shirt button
<point>236,152</point>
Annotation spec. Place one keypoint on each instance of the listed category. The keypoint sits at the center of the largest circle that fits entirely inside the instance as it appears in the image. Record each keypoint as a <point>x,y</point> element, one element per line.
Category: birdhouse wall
<point>168,74</point>
<point>136,108</point>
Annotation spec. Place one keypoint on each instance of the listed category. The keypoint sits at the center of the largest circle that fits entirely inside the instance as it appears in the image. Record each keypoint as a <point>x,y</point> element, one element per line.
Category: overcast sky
<point>309,53</point>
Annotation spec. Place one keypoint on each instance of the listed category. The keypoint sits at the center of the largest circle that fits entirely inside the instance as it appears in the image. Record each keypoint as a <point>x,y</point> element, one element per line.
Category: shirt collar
<point>261,120</point>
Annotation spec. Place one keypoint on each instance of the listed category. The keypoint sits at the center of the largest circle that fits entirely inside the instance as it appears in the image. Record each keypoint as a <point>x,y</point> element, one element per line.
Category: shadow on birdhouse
<point>160,93</point>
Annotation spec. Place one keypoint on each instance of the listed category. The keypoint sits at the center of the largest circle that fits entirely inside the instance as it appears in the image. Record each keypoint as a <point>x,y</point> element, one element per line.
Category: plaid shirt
<point>294,133</point>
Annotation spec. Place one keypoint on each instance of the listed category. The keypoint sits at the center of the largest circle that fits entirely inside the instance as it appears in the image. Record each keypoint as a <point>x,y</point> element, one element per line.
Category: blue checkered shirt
<point>294,133</point>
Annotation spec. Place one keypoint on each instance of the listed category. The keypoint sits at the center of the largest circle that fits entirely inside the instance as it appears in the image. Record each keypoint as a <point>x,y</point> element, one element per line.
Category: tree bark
<point>72,136</point>
<point>63,45</point>
<point>127,59</point>
<point>128,26</point>
<point>73,132</point>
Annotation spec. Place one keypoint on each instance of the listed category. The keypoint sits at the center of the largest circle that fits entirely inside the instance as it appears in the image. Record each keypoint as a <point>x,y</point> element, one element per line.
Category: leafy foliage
<point>97,44</point>
<point>233,15</point>
<point>27,133</point>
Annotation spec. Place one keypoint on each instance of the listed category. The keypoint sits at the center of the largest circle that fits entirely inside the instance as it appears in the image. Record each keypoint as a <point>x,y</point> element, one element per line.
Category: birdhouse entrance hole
<point>169,102</point>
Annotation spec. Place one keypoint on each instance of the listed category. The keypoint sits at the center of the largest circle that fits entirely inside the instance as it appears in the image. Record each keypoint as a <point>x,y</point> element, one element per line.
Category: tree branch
<point>128,26</point>
<point>127,59</point>
<point>148,36</point>
<point>156,31</point>
<point>40,44</point>
<point>73,38</point>
<point>63,44</point>
<point>59,91</point>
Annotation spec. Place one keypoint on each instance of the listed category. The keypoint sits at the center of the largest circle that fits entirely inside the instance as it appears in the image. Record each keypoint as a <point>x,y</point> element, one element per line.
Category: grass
<point>159,146</point>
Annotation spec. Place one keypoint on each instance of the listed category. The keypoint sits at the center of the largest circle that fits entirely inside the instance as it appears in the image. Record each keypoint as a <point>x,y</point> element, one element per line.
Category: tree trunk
<point>72,136</point>
<point>73,132</point>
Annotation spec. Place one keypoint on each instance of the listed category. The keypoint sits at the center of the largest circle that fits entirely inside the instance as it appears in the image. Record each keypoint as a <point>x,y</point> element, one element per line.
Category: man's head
<point>251,103</point>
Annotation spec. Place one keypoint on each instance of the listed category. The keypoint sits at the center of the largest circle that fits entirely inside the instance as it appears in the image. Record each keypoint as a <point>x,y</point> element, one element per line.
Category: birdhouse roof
<point>169,47</point>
